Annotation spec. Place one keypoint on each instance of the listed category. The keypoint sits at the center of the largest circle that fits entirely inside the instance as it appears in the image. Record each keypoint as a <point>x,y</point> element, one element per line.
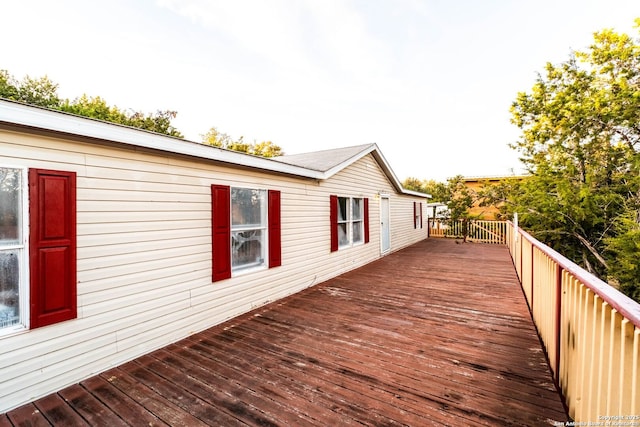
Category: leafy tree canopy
<point>438,190</point>
<point>580,140</point>
<point>44,93</point>
<point>222,140</point>
<point>458,197</point>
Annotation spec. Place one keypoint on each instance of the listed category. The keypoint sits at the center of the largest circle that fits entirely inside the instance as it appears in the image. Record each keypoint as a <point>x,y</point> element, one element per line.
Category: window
<point>49,294</point>
<point>248,228</point>
<point>417,215</point>
<point>245,230</point>
<point>12,282</point>
<point>349,221</point>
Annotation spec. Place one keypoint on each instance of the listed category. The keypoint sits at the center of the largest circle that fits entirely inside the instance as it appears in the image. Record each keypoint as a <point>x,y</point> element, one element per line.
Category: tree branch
<point>591,249</point>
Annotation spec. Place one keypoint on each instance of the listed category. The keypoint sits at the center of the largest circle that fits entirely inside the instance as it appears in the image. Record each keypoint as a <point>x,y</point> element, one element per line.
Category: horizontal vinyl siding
<point>144,254</point>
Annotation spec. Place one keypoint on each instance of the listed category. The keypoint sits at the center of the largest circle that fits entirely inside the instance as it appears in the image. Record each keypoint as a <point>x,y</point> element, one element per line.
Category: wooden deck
<point>436,334</point>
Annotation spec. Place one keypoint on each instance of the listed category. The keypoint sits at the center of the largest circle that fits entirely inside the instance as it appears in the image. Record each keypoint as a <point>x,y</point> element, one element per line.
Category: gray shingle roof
<point>324,160</point>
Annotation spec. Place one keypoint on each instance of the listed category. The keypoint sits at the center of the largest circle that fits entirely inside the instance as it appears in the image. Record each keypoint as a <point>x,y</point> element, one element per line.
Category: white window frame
<point>23,255</point>
<point>262,227</point>
<point>351,222</point>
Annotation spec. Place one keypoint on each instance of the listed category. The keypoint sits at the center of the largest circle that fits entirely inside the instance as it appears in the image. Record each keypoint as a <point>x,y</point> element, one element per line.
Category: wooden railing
<point>591,333</point>
<point>478,231</point>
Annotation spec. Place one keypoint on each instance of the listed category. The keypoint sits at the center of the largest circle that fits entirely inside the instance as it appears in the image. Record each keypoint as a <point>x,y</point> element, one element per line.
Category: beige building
<point>115,241</point>
<point>476,184</point>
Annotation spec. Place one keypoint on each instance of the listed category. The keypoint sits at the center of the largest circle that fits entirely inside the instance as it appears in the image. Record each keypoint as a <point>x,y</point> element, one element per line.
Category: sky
<point>430,81</point>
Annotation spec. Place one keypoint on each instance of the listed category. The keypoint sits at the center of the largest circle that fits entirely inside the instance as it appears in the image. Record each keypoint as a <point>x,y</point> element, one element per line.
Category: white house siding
<point>144,254</point>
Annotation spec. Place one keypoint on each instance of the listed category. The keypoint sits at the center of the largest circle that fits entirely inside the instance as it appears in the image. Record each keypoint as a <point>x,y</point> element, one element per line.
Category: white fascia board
<point>334,170</point>
<point>377,154</point>
<point>416,193</point>
<point>393,178</point>
<point>25,115</point>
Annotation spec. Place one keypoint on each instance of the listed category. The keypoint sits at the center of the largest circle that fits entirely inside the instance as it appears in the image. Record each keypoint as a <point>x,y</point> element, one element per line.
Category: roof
<point>324,160</point>
<point>320,165</point>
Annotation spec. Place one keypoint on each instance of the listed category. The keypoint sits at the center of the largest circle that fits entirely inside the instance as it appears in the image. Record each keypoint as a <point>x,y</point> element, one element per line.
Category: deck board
<point>436,334</point>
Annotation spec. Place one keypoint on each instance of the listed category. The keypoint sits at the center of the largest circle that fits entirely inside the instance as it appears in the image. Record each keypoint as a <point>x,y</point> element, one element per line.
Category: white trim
<point>387,197</point>
<point>34,117</point>
<point>16,113</point>
<point>349,221</point>
<point>264,228</point>
<point>23,272</point>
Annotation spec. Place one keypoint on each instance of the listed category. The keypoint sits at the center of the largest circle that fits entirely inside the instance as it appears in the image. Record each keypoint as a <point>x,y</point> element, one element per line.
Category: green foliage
<point>460,198</point>
<point>8,86</point>
<point>267,149</point>
<point>222,140</point>
<point>438,190</point>
<point>413,184</point>
<point>43,93</point>
<point>579,140</point>
<point>624,247</point>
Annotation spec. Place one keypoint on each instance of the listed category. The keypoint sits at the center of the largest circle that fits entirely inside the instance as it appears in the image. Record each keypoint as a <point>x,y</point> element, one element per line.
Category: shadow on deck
<point>436,334</point>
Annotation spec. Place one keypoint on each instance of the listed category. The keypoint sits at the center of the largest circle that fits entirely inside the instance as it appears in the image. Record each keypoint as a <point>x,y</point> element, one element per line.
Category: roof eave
<point>15,113</point>
<point>386,168</point>
<point>19,114</point>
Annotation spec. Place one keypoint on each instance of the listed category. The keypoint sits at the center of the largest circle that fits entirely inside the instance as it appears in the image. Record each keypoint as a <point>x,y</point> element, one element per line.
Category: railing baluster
<point>623,340</point>
<point>593,360</point>
<point>557,329</point>
<point>613,326</point>
<point>635,373</point>
<point>603,363</point>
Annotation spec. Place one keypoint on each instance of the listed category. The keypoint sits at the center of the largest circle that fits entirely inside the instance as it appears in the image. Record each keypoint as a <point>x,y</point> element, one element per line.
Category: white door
<point>385,230</point>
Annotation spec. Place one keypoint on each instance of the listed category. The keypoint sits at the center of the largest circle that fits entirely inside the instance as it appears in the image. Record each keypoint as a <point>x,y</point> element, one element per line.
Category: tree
<point>44,93</point>
<point>159,122</point>
<point>36,91</point>
<point>8,86</point>
<point>460,199</point>
<point>216,138</point>
<point>97,108</point>
<point>267,149</point>
<point>454,193</point>
<point>624,248</point>
<point>579,140</point>
<point>437,190</point>
<point>222,140</point>
<point>94,107</point>
<point>413,184</point>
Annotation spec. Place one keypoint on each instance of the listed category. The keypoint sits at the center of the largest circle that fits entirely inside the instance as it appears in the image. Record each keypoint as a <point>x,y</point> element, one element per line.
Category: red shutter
<point>275,250</point>
<point>52,246</point>
<point>420,214</point>
<point>333,219</point>
<point>415,211</point>
<point>221,231</point>
<point>366,220</point>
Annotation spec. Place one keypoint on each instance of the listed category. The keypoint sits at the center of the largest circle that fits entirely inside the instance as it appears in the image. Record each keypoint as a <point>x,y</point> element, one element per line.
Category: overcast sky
<point>430,81</point>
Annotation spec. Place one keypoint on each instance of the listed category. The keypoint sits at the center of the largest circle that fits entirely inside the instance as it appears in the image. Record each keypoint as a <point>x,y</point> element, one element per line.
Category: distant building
<point>437,210</point>
<point>476,184</point>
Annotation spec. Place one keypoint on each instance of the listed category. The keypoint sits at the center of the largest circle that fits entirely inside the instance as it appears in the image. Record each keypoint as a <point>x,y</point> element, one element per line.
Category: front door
<point>385,229</point>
